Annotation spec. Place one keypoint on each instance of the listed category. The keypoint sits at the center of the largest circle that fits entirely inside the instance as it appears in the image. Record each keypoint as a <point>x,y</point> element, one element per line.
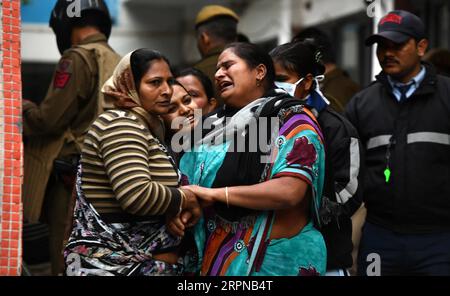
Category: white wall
<point>168,25</point>
<point>323,10</point>
<point>261,21</point>
<point>140,25</point>
<point>265,19</point>
<point>152,26</point>
<point>38,44</point>
<point>165,25</point>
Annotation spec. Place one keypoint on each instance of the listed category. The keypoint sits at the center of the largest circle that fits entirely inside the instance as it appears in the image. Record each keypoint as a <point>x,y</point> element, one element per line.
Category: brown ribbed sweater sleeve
<point>131,156</point>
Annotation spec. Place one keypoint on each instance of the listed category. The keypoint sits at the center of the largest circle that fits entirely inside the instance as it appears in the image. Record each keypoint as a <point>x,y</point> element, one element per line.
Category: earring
<point>258,82</point>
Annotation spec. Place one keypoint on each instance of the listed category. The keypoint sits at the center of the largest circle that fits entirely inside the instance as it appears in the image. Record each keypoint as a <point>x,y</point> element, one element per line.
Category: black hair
<point>202,77</point>
<point>222,27</point>
<point>141,60</point>
<point>300,57</point>
<point>253,55</point>
<point>321,39</point>
<point>175,82</point>
<point>241,37</point>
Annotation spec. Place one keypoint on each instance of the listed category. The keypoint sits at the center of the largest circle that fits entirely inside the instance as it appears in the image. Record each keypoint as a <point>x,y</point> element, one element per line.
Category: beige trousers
<point>358,220</point>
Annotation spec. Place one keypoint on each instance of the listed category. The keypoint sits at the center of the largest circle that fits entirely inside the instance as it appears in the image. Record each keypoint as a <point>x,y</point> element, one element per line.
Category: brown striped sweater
<point>126,173</point>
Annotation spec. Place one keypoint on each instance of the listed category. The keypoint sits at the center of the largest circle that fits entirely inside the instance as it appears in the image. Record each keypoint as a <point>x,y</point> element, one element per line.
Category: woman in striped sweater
<point>127,183</point>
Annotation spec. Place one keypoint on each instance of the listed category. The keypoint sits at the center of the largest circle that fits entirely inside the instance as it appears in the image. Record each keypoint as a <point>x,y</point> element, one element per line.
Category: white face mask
<point>288,87</point>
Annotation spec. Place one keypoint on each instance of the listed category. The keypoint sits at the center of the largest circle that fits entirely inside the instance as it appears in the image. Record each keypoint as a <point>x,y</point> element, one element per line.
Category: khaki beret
<point>209,12</point>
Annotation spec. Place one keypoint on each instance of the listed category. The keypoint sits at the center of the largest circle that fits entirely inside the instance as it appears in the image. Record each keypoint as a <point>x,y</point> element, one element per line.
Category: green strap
<point>257,243</point>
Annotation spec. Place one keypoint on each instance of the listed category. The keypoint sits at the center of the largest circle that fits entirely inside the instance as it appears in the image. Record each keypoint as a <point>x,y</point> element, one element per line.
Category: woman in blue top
<point>260,196</point>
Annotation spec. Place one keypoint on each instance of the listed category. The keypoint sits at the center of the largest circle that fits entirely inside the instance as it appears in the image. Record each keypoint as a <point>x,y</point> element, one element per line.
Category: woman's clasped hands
<point>195,198</point>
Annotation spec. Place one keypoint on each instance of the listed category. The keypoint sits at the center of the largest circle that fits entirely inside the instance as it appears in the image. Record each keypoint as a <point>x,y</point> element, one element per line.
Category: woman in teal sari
<point>260,201</point>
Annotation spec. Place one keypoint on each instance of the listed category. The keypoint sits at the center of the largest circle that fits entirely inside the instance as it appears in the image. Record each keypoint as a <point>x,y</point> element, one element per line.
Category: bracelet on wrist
<point>183,198</point>
<point>226,196</point>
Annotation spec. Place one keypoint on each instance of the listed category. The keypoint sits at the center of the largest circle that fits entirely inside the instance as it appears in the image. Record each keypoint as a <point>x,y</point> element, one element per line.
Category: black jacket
<point>413,138</point>
<point>342,193</point>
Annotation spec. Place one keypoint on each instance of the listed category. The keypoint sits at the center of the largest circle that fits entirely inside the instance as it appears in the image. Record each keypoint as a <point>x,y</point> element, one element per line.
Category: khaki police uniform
<point>208,65</point>
<point>53,134</point>
<point>339,88</point>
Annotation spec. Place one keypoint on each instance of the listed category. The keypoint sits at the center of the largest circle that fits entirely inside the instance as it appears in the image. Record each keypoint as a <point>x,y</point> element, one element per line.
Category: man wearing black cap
<point>54,129</point>
<point>216,26</point>
<point>403,119</point>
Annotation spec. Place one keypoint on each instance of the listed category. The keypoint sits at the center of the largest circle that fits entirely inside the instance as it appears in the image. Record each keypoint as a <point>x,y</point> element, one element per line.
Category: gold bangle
<point>183,200</point>
<point>226,196</point>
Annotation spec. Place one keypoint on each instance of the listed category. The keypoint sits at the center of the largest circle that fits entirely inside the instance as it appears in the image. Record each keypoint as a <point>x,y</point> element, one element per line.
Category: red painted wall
<point>10,139</point>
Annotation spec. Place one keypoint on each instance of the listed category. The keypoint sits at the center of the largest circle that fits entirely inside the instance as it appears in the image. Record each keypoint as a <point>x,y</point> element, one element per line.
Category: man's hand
<point>27,104</point>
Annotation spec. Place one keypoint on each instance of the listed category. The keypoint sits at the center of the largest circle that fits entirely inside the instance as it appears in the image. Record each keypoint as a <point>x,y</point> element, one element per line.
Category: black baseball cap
<point>398,26</point>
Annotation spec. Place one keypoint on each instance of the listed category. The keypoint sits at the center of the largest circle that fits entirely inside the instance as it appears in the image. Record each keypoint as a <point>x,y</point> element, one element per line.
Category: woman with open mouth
<point>261,198</point>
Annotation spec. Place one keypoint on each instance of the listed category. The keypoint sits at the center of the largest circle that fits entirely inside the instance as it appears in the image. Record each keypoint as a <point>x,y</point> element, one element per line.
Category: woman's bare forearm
<point>275,194</point>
